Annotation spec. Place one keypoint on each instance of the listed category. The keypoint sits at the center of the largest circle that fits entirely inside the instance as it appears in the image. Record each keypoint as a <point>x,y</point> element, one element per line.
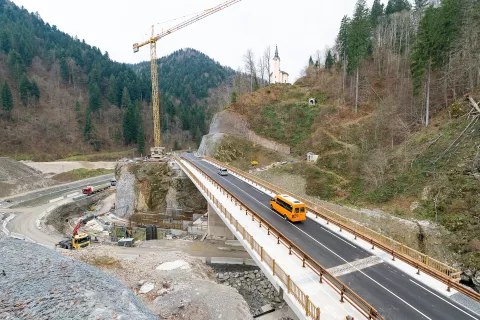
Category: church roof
<point>276,52</point>
<point>284,72</point>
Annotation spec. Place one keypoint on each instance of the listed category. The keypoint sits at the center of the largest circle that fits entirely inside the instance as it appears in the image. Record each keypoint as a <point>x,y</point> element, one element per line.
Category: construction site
<point>247,197</point>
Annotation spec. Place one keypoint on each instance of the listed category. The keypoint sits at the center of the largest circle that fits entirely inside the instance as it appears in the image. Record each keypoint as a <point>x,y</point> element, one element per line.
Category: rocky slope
<point>39,283</point>
<point>174,285</point>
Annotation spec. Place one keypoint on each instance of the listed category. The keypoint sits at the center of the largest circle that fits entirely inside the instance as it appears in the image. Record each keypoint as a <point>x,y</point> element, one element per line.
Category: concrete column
<point>216,228</point>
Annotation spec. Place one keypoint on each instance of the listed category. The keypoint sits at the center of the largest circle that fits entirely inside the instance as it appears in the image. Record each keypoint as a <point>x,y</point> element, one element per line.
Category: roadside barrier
<point>345,293</point>
<point>438,270</point>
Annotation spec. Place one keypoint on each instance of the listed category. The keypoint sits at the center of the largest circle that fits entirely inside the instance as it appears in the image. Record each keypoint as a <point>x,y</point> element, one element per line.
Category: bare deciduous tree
<point>261,71</point>
<point>249,60</point>
<point>266,62</point>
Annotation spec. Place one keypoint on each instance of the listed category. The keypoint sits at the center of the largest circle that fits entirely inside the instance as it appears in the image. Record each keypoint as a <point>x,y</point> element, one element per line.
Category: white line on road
<point>340,238</point>
<point>448,301</point>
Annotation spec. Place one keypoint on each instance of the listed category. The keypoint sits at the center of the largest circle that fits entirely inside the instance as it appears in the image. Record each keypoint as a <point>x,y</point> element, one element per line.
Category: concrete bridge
<point>325,267</point>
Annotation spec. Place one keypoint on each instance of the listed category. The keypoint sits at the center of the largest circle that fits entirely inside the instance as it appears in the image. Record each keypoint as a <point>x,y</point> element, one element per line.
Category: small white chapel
<point>278,76</point>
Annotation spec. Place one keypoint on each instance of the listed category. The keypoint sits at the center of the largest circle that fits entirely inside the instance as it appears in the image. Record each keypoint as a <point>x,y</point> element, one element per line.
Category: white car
<point>222,171</point>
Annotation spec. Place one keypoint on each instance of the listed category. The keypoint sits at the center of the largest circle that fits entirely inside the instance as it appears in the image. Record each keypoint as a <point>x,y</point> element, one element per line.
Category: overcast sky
<point>299,27</point>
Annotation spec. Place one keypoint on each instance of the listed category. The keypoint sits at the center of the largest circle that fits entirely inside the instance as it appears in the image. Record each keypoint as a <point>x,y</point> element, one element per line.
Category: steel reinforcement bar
<point>345,293</point>
<point>420,261</point>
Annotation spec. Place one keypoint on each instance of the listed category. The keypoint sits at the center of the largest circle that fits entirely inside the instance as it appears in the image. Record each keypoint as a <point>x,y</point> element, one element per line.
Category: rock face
<point>154,187</point>
<point>41,284</point>
<point>231,123</point>
<point>471,277</point>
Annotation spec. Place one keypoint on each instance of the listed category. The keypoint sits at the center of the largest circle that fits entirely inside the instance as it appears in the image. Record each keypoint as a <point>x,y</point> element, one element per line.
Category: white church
<point>278,76</point>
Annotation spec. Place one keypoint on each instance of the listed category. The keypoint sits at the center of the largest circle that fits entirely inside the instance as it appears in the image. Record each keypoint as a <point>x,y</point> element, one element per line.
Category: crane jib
<point>198,17</point>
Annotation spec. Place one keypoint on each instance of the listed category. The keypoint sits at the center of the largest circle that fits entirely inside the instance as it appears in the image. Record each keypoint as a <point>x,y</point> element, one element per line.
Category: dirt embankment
<point>16,177</point>
<point>61,217</point>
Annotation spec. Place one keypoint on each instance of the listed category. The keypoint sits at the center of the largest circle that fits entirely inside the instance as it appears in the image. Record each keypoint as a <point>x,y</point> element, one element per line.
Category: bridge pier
<point>217,229</point>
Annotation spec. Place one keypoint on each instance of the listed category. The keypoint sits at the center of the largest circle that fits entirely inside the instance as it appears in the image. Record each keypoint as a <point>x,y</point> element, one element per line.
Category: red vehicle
<point>89,190</point>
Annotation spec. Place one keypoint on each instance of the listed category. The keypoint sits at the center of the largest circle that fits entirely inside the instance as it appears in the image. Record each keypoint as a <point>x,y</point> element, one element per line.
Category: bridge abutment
<point>216,227</point>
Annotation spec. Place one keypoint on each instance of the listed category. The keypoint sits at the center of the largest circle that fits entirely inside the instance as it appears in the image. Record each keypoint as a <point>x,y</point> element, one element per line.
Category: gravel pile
<point>41,284</point>
<point>185,289</point>
<point>254,287</point>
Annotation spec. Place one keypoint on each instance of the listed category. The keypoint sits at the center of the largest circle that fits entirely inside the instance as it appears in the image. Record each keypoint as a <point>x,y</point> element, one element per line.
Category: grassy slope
<point>427,176</point>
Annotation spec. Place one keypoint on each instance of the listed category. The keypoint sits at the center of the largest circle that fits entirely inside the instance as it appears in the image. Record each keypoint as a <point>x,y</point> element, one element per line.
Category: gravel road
<point>50,286</point>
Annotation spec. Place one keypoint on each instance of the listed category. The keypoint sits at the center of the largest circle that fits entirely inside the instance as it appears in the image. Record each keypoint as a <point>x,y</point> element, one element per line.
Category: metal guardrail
<point>324,276</point>
<point>438,270</point>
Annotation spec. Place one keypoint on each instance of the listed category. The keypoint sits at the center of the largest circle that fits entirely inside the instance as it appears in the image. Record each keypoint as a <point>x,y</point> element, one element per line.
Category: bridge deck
<point>394,293</point>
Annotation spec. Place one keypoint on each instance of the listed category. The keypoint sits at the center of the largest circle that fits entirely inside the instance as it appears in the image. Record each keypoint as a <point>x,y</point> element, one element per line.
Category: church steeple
<point>276,52</point>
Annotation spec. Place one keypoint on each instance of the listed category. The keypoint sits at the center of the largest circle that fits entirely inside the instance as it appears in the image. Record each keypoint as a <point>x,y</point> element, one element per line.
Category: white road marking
<point>375,281</point>
<point>333,234</point>
<point>448,301</point>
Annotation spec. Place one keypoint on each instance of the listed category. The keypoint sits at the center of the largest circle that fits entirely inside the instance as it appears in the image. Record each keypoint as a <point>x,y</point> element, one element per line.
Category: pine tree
<point>130,124</point>
<point>64,70</point>
<point>125,98</point>
<point>329,61</point>
<point>376,13</point>
<point>436,35</point>
<point>35,91</point>
<point>15,64</point>
<point>420,4</point>
<point>394,6</point>
<point>7,98</point>
<point>24,88</point>
<point>4,42</point>
<point>95,101</point>
<point>88,127</point>
<point>358,41</point>
<point>233,97</point>
<point>310,61</point>
<point>140,137</point>
<point>342,45</point>
<point>112,90</point>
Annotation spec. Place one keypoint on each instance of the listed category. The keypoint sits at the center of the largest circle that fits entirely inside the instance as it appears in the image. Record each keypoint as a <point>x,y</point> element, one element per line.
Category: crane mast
<point>157,150</point>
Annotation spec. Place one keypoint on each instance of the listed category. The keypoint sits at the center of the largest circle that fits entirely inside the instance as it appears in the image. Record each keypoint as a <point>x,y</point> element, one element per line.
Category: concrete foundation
<point>216,228</point>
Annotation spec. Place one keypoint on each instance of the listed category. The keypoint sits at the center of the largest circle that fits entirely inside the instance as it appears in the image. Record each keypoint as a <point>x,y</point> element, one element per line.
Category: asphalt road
<point>392,292</point>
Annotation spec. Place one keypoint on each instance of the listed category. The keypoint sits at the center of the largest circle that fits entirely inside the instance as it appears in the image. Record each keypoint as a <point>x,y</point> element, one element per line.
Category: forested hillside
<point>61,96</point>
<point>185,78</point>
<point>395,125</point>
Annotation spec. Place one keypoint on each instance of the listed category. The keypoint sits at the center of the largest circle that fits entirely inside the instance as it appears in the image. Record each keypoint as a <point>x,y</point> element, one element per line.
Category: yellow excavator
<point>78,240</point>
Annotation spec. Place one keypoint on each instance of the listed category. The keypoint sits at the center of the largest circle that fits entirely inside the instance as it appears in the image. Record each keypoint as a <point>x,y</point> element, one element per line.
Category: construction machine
<point>78,240</point>
<point>157,151</point>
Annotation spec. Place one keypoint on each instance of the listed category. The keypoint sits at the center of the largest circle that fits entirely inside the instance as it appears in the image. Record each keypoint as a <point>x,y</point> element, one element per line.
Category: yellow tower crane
<point>157,151</point>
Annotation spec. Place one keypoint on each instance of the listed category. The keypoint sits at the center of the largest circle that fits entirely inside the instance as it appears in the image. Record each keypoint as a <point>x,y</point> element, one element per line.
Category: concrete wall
<point>216,228</point>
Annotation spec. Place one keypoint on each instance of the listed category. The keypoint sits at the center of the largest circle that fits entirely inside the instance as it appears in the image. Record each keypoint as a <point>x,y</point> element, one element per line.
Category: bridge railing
<point>311,310</point>
<point>421,261</point>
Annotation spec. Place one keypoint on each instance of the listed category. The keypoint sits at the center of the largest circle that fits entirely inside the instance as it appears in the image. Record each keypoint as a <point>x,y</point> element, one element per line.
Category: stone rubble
<point>254,287</point>
<point>186,289</point>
